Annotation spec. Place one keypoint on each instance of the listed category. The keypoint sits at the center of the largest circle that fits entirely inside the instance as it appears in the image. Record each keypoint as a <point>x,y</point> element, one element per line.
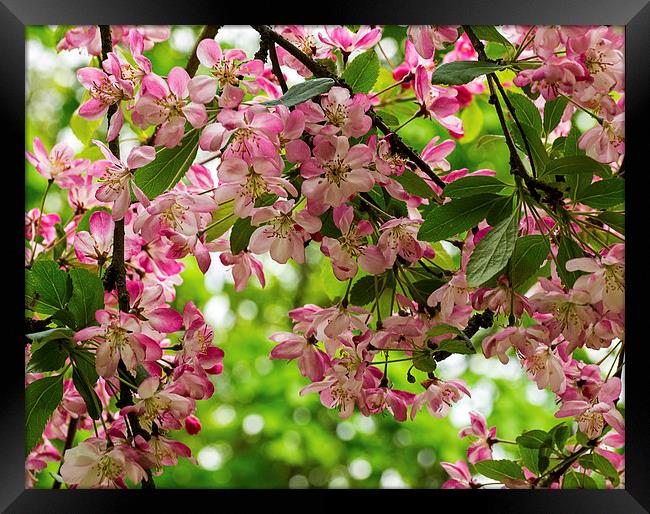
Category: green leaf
<point>388,118</point>
<point>535,460</point>
<point>85,377</point>
<point>240,235</point>
<point>425,363</point>
<point>41,398</point>
<point>87,297</point>
<point>559,435</point>
<point>490,138</point>
<point>553,110</point>
<point>414,184</point>
<point>526,111</point>
<point>492,252</point>
<point>46,287</point>
<point>303,91</point>
<point>490,33</point>
<point>443,328</point>
<point>222,219</point>
<point>169,167</point>
<point>603,194</point>
<point>461,72</point>
<point>529,254</point>
<point>574,480</point>
<point>455,346</point>
<point>500,470</point>
<point>361,74</point>
<point>456,216</point>
<point>500,210</point>
<point>537,149</point>
<point>84,128</point>
<point>39,338</point>
<point>568,249</point>
<point>572,165</point>
<point>474,185</point>
<point>606,468</point>
<point>571,143</point>
<point>363,290</point>
<point>49,357</point>
<point>614,220</point>
<point>534,439</point>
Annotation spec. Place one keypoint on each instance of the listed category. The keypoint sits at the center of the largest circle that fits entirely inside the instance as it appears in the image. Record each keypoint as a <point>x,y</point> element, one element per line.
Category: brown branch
<point>69,439</point>
<point>275,66</point>
<point>116,273</point>
<point>318,70</point>
<point>208,32</point>
<point>554,196</point>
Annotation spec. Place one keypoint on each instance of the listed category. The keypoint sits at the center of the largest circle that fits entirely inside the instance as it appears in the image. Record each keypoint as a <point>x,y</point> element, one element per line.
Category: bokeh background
<point>257,431</point>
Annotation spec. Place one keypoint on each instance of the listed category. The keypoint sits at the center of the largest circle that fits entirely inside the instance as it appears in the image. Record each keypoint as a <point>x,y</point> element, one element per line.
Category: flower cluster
<point>325,169</point>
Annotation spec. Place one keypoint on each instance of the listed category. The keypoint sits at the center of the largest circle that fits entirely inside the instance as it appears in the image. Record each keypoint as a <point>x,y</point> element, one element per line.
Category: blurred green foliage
<point>257,430</point>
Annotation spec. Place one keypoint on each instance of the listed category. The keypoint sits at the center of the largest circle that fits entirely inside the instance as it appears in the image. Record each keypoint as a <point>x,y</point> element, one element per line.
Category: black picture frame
<point>16,14</point>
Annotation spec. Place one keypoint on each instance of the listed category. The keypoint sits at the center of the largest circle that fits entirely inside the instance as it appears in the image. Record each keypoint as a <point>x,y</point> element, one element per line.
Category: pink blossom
<point>481,449</point>
<point>501,299</point>
<point>335,173</point>
<point>243,265</point>
<point>429,38</point>
<point>117,177</point>
<point>461,478</point>
<point>119,337</point>
<point>341,113</point>
<point>164,103</point>
<point>192,424</point>
<point>96,245</point>
<point>438,396</point>
<point>246,183</point>
<point>399,238</point>
<point>347,41</point>
<point>312,362</point>
<point>380,398</point>
<point>545,368</point>
<point>59,165</point>
<point>558,75</point>
<point>94,464</point>
<point>437,102</point>
<point>284,233</point>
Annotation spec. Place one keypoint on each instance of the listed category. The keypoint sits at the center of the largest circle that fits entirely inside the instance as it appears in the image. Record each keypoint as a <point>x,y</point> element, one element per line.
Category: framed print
<point>325,259</point>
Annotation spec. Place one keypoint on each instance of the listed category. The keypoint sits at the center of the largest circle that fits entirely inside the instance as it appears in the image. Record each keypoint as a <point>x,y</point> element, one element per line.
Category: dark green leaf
<point>461,72</point>
<point>606,468</point>
<point>84,222</point>
<point>490,33</point>
<point>361,74</point>
<point>553,110</point>
<point>500,210</point>
<point>537,150</point>
<point>559,434</point>
<point>49,357</point>
<point>474,185</point>
<point>169,167</point>
<point>567,250</point>
<point>240,235</point>
<point>84,377</point>
<point>363,290</point>
<point>574,480</point>
<point>535,459</point>
<point>425,363</point>
<point>41,398</point>
<point>388,118</point>
<point>571,143</point>
<point>526,111</point>
<point>87,297</point>
<point>303,91</point>
<point>222,219</point>
<point>572,165</point>
<point>529,254</point>
<point>414,184</point>
<point>534,439</point>
<point>490,138</point>
<point>456,216</point>
<point>603,194</point>
<point>500,470</point>
<point>46,287</point>
<point>492,252</point>
<point>455,346</point>
<point>613,219</point>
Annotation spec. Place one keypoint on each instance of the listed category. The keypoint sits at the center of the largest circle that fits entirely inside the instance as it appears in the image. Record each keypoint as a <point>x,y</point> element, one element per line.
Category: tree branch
<point>117,271</point>
<point>399,146</point>
<point>554,196</point>
<point>208,32</point>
